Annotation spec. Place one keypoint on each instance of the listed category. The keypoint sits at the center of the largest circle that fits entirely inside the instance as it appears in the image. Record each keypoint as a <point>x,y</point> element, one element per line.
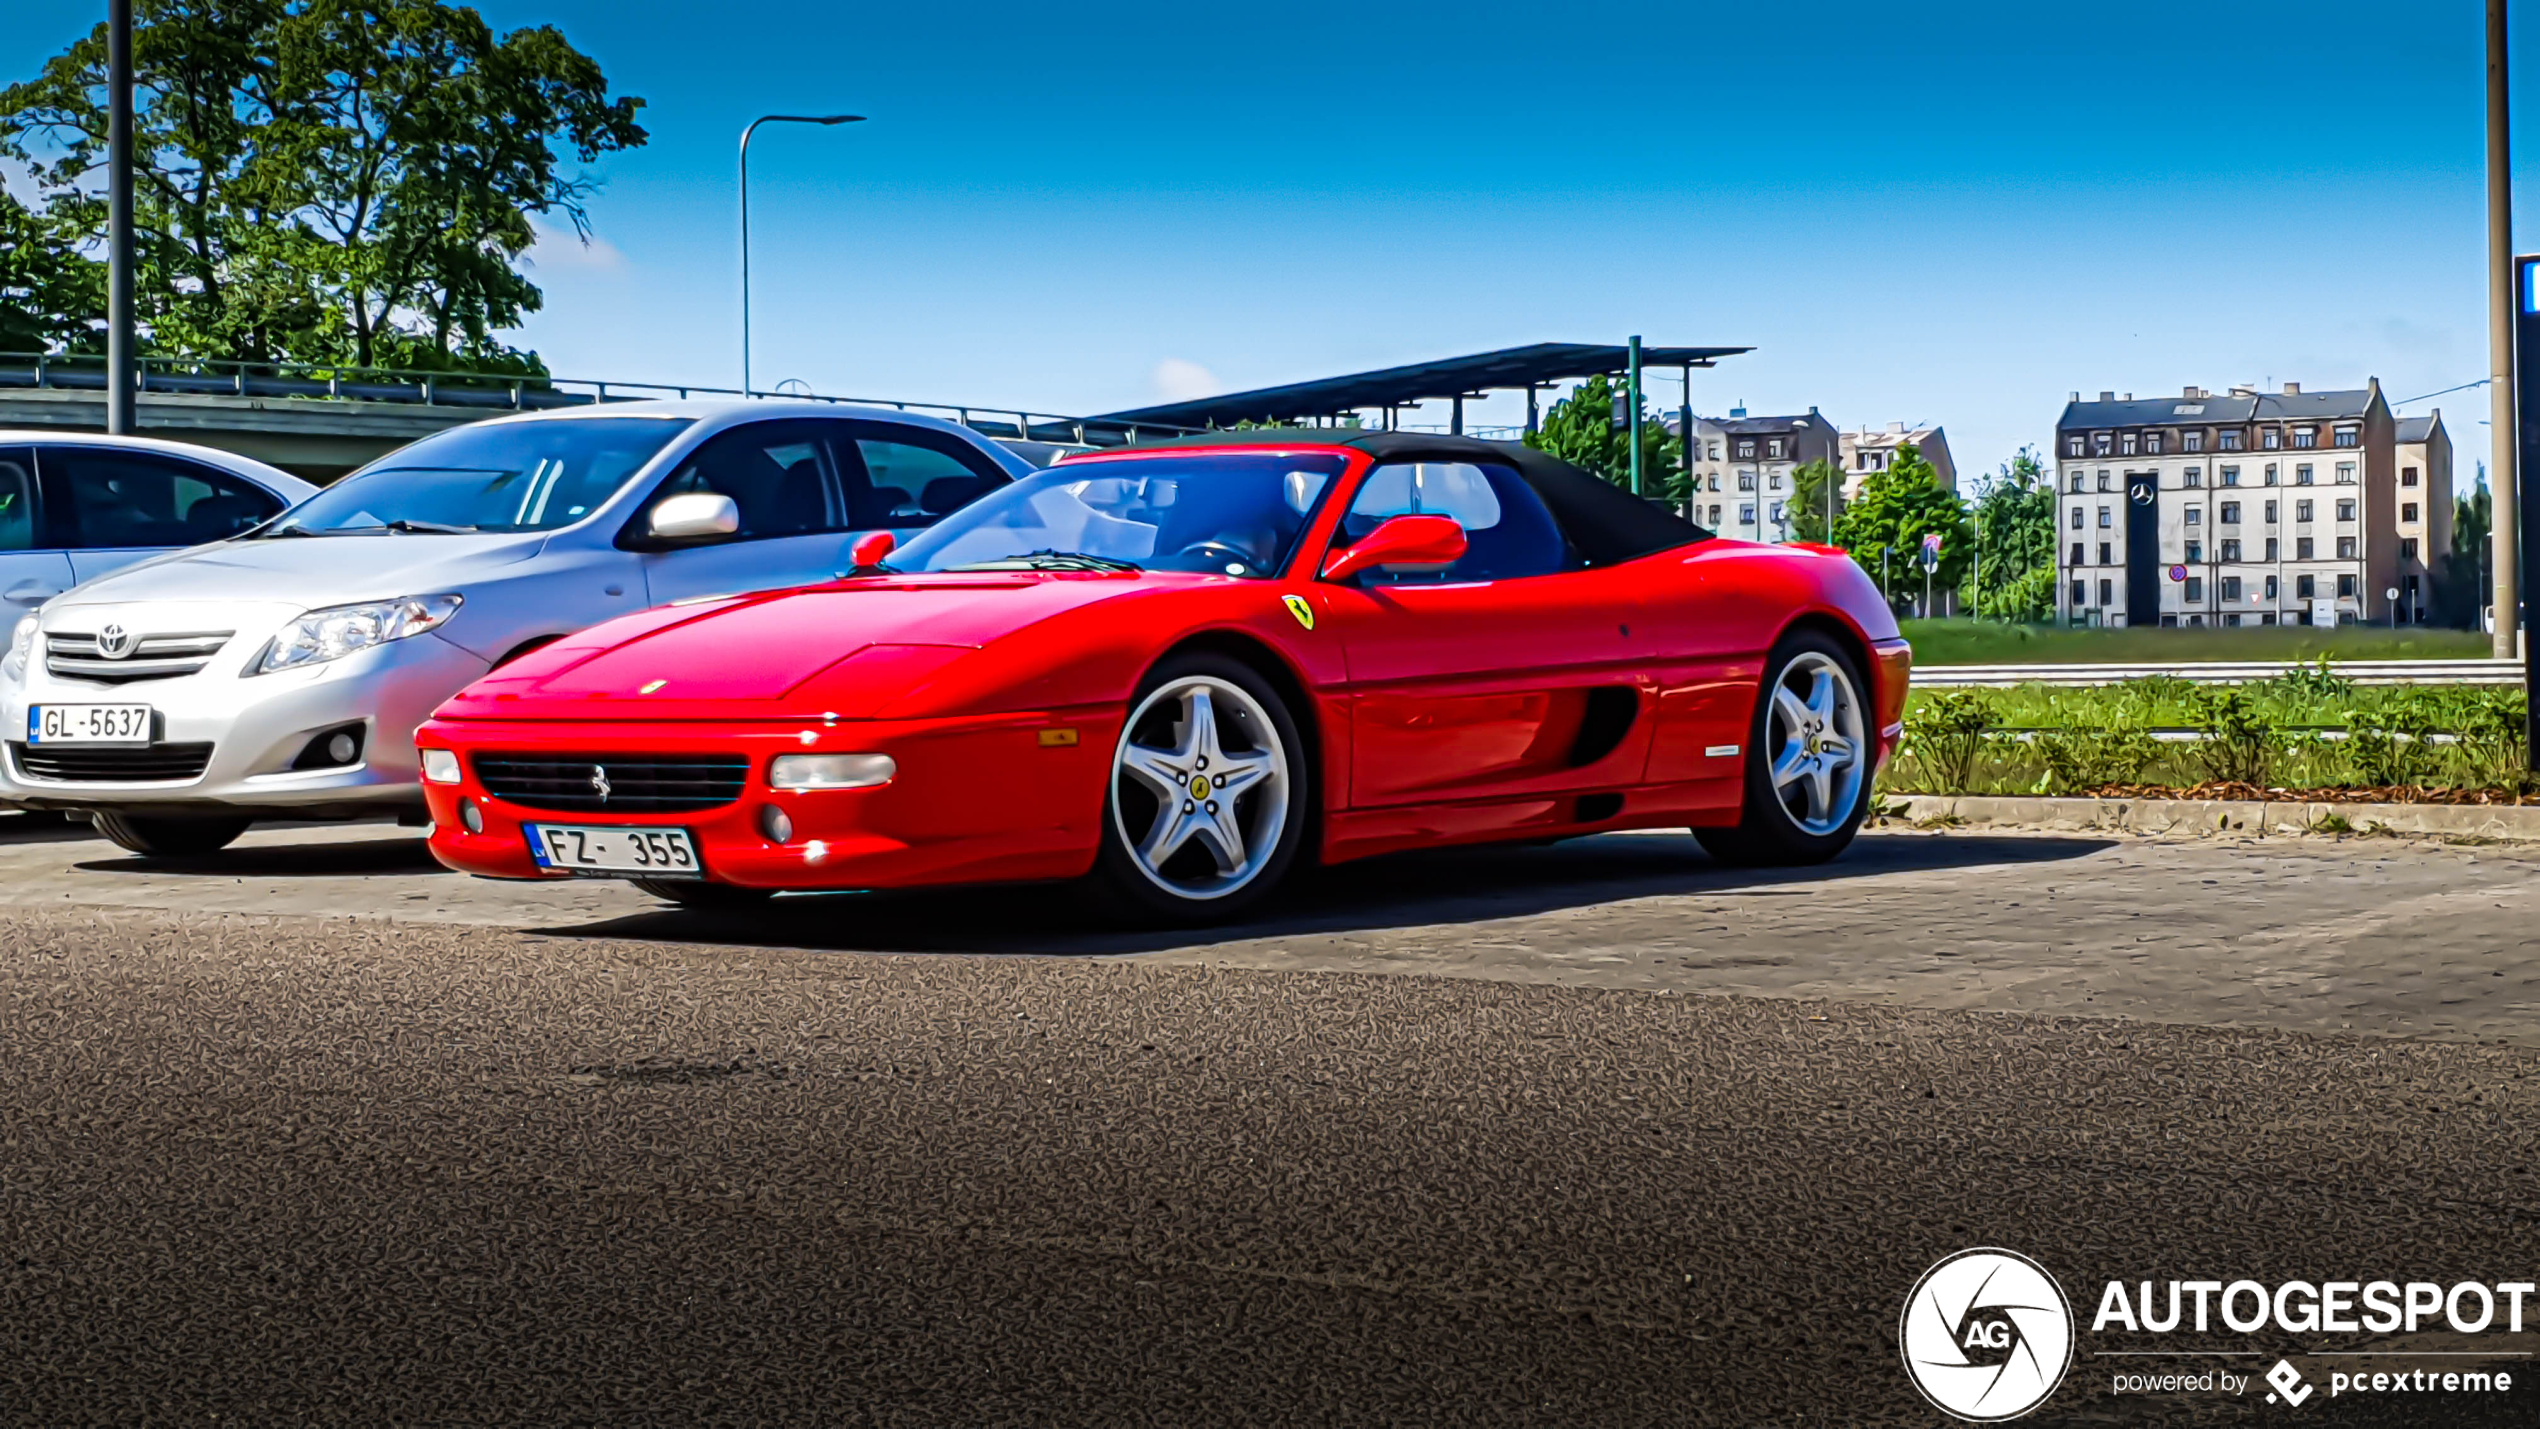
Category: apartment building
<point>1741,468</point>
<point>2235,508</point>
<point>1866,453</point>
<point>2425,511</point>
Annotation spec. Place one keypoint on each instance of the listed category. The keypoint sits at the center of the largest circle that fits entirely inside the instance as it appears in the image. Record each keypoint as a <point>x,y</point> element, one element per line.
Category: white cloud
<point>1178,379</point>
<point>559,248</point>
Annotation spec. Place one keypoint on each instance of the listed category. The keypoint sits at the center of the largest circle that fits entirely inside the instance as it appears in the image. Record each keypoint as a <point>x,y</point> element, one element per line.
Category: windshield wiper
<point>426,528</point>
<point>1052,561</point>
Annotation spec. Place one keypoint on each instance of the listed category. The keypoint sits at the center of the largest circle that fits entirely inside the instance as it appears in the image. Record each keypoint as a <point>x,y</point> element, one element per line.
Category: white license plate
<point>649,853</point>
<point>88,724</point>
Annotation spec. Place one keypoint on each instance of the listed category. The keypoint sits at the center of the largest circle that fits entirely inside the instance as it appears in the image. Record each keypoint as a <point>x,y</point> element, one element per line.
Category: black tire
<point>1120,883</point>
<point>697,893</point>
<point>154,837</point>
<point>1767,833</point>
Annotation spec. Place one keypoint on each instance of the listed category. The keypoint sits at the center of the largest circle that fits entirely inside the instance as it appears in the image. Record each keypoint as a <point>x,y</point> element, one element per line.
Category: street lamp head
<point>841,119</point>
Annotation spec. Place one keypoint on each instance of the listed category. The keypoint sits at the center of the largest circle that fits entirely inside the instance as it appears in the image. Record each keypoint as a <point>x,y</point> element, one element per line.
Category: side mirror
<point>1401,543</point>
<point>868,551</point>
<point>694,516</point>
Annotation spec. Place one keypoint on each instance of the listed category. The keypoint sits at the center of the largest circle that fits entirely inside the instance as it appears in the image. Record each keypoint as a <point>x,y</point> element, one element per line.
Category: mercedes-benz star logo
<point>114,642</point>
<point>600,781</point>
<point>1987,1335</point>
<point>2143,496</point>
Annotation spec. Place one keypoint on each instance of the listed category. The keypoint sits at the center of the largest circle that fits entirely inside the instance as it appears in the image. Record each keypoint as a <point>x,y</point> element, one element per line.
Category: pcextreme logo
<point>1987,1335</point>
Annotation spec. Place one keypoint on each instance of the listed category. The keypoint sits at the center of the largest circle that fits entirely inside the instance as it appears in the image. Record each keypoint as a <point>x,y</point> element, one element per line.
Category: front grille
<point>72,764</point>
<point>637,783</point>
<point>77,656</point>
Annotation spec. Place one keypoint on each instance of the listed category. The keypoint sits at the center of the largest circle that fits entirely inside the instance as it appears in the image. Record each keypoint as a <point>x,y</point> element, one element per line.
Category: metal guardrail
<point>489,392</point>
<point>2236,672</point>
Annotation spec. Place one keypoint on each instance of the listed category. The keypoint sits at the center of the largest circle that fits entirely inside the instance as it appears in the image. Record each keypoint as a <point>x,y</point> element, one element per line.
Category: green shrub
<point>1946,732</point>
<point>2081,759</point>
<point>2313,682</point>
<point>2238,737</point>
<point>2386,741</point>
<point>2489,721</point>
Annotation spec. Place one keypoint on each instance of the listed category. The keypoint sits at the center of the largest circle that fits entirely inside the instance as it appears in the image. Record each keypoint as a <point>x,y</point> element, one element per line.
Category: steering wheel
<point>1217,554</point>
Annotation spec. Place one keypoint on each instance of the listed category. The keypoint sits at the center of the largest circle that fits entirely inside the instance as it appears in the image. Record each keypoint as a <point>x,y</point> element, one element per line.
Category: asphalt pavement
<point>1591,1134</point>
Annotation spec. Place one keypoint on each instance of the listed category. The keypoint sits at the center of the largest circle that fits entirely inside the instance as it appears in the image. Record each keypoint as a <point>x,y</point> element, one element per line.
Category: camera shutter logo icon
<point>1987,1335</point>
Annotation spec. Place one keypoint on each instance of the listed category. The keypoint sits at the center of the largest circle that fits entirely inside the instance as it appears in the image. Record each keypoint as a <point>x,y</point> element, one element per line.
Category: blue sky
<point>1950,212</point>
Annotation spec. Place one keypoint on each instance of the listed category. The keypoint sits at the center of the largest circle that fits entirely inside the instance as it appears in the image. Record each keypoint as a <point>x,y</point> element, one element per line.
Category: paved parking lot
<point>313,1131</point>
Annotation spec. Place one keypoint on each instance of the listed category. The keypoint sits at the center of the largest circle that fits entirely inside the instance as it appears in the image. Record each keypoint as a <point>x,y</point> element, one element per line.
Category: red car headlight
<point>830,771</point>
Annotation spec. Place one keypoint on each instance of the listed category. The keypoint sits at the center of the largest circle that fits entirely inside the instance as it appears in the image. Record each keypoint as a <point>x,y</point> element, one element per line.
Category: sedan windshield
<point>1236,515</point>
<point>501,476</point>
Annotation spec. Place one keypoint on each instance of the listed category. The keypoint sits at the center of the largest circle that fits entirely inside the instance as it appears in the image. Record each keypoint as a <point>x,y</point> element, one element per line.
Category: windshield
<point>502,476</point>
<point>1235,515</point>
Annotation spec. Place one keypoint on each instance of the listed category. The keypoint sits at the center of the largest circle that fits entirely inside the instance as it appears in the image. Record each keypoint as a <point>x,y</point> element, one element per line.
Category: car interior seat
<point>948,494</point>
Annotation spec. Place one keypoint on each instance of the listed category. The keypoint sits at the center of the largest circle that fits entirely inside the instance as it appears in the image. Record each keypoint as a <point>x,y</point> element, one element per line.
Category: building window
<point>2271,508</point>
<point>1746,481</point>
<point>2231,476</point>
<point>2231,513</point>
<point>2231,587</point>
<point>2099,443</point>
<point>2152,443</point>
<point>1715,510</point>
<point>1746,514</point>
<point>2195,587</point>
<point>2195,476</point>
<point>2271,588</point>
<point>2303,588</point>
<point>2270,473</point>
<point>1777,513</point>
<point>2128,444</point>
<point>2077,554</point>
<point>2346,548</point>
<point>2231,617</point>
<point>2408,549</point>
<point>2346,586</point>
<point>2301,511</point>
<point>2105,556</point>
<point>1746,450</point>
<point>2230,439</point>
<point>2270,438</point>
<point>2195,516</point>
<point>2231,551</point>
<point>2302,474</point>
<point>2081,592</point>
<point>2072,446</point>
<point>2302,548</point>
<point>2407,476</point>
<point>2077,518</point>
<point>2196,553</point>
<point>2104,522</point>
<point>1773,448</point>
<point>2306,437</point>
<point>2345,473</point>
<point>2275,551</point>
<point>2192,442</point>
<point>2103,482</point>
<point>1773,480</point>
<point>2350,436</point>
<point>2078,483</point>
<point>2107,592</point>
<point>2346,510</point>
<point>2408,512</point>
<point>1715,456</point>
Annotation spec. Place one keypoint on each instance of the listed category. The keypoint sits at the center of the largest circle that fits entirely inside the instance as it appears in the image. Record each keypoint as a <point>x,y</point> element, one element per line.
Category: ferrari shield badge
<point>1303,612</point>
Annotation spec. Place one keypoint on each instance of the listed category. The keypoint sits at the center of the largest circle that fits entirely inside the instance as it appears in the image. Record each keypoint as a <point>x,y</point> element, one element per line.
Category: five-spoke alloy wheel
<point>1210,790</point>
<point>1808,758</point>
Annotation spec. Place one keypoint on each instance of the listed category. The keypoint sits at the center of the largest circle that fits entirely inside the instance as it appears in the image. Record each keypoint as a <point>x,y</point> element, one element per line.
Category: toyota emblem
<point>114,642</point>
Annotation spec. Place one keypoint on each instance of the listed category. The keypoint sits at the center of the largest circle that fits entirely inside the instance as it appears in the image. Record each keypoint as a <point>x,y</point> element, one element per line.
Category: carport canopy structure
<point>1534,368</point>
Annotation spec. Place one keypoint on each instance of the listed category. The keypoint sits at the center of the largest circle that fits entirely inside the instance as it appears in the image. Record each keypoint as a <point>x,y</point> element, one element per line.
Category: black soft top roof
<point>1606,523</point>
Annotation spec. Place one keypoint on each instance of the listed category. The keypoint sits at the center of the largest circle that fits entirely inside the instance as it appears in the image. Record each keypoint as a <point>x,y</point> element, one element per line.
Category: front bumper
<point>975,800</point>
<point>256,727</point>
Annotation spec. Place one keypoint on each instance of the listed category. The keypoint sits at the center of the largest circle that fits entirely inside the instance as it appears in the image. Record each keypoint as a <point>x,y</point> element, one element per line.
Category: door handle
<point>33,590</point>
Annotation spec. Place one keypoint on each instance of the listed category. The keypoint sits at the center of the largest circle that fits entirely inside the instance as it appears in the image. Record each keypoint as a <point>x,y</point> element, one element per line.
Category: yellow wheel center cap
<point>1199,786</point>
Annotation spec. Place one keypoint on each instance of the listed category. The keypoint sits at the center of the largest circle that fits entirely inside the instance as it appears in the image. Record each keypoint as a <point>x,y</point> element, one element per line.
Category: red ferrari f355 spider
<point>1177,670</point>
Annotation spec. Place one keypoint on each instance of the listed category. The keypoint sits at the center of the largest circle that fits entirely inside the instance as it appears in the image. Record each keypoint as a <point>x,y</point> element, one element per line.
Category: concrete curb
<point>2211,816</point>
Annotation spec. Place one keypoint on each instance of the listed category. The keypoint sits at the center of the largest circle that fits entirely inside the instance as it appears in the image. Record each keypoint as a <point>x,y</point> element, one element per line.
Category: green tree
<point>2014,529</point>
<point>327,180</point>
<point>1884,528</point>
<point>2463,588</point>
<point>1815,488</point>
<point>1580,430</point>
<point>48,290</point>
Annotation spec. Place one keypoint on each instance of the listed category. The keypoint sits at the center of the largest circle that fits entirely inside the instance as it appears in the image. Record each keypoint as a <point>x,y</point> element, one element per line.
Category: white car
<point>282,673</point>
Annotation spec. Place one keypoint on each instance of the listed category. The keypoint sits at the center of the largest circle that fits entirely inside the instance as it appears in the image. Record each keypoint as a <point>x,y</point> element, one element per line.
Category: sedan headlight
<point>341,630</point>
<point>22,646</point>
<point>830,771</point>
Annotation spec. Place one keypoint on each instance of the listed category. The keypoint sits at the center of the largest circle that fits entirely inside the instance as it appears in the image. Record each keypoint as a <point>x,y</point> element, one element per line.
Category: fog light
<point>831,771</point>
<point>471,817</point>
<point>441,766</point>
<point>773,823</point>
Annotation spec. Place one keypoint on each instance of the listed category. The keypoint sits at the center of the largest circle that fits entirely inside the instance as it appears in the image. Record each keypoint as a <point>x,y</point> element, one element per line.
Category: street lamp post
<point>121,360</point>
<point>821,119</point>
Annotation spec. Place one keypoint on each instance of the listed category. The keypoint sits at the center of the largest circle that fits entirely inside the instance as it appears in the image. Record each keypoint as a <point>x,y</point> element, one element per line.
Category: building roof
<point>1893,436</point>
<point>2218,410</point>
<point>1541,364</point>
<point>1761,426</point>
<point>2418,429</point>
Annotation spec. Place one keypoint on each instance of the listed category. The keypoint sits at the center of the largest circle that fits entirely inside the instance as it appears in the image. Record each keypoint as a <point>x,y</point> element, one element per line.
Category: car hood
<point>847,649</point>
<point>307,572</point>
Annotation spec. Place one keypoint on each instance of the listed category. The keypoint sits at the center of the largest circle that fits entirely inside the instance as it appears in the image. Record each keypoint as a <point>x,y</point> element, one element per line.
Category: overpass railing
<point>490,392</point>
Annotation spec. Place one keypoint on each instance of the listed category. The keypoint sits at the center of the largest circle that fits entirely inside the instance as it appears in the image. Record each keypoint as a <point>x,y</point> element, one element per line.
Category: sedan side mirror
<point>1400,544</point>
<point>694,516</point>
